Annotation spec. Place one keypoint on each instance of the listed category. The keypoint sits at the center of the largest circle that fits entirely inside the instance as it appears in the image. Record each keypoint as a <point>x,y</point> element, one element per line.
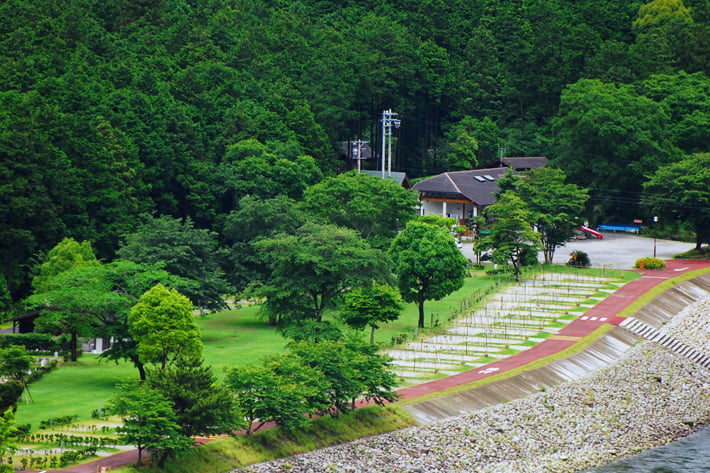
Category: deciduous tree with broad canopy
<point>427,263</point>
<point>164,327</point>
<point>149,422</point>
<point>353,369</point>
<point>608,137</point>
<point>374,207</point>
<point>512,234</point>
<point>282,389</point>
<point>185,251</point>
<point>371,305</point>
<point>682,190</point>
<point>66,310</point>
<point>256,219</point>
<point>312,268</point>
<point>555,207</point>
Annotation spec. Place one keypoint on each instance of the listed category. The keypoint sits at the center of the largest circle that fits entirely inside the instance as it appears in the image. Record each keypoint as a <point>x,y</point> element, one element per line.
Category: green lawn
<point>237,337</point>
<point>231,338</point>
<point>74,388</point>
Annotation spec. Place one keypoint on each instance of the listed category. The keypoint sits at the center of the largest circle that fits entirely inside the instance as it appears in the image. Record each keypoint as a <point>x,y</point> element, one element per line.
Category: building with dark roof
<point>464,194</point>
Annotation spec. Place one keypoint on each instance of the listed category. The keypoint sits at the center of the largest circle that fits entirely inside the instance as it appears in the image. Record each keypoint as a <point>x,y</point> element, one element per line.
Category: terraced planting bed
<point>514,319</point>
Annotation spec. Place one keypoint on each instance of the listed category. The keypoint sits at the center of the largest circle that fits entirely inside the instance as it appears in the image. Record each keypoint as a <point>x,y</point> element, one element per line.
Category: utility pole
<point>501,153</point>
<point>357,152</point>
<point>387,121</point>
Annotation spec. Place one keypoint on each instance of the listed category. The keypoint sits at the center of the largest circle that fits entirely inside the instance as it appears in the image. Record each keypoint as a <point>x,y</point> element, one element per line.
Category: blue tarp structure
<point>618,227</point>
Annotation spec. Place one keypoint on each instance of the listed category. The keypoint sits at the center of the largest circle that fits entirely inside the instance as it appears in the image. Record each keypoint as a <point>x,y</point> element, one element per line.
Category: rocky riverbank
<point>649,398</point>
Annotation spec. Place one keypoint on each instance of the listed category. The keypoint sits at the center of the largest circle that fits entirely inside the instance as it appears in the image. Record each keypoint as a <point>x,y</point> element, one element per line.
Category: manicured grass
<point>237,337</point>
<point>73,389</point>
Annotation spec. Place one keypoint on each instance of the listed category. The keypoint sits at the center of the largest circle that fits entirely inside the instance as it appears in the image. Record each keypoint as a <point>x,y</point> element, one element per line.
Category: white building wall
<point>449,209</point>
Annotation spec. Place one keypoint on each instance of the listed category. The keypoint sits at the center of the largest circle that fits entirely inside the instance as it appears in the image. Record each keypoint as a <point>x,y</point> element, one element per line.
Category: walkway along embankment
<point>605,350</point>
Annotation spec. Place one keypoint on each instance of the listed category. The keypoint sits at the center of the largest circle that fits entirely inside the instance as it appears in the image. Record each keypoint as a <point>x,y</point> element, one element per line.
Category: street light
<point>655,221</point>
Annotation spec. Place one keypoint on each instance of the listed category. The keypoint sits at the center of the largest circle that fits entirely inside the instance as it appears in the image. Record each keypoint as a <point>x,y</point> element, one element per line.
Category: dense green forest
<point>110,109</point>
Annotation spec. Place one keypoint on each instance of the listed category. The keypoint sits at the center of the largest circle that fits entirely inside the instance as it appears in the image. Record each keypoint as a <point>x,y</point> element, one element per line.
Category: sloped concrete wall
<point>604,351</point>
<point>664,306</point>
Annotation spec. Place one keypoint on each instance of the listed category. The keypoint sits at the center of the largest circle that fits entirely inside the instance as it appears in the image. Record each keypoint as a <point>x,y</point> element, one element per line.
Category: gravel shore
<point>649,398</point>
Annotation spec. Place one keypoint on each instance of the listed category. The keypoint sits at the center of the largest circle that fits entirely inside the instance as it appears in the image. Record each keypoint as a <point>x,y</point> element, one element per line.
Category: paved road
<point>616,250</point>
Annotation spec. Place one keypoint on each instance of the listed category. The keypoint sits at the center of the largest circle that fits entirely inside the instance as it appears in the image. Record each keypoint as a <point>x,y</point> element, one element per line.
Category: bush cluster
<point>58,421</point>
<point>579,259</point>
<point>650,263</point>
<point>500,269</point>
<point>40,342</point>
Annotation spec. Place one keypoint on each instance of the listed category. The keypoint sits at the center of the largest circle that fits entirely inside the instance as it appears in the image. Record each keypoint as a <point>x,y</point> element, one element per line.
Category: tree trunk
<point>139,366</point>
<point>421,312</point>
<point>372,336</point>
<point>549,254</point>
<point>73,346</point>
<point>141,370</point>
<point>516,268</point>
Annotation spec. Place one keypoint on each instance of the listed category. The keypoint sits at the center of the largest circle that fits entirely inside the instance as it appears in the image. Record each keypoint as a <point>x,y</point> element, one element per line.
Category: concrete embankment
<point>610,347</point>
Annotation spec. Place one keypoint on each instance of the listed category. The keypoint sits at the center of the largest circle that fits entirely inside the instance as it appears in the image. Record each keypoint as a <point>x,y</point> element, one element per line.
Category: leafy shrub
<point>528,257</point>
<point>41,342</point>
<point>10,392</point>
<point>650,263</point>
<point>500,269</point>
<point>23,430</point>
<point>579,259</point>
<point>58,421</point>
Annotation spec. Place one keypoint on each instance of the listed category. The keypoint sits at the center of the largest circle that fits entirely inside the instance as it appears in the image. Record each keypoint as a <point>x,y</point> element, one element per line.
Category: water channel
<point>688,455</point>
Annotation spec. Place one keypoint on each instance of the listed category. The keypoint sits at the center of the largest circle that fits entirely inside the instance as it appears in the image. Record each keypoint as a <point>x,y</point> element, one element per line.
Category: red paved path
<point>604,312</point>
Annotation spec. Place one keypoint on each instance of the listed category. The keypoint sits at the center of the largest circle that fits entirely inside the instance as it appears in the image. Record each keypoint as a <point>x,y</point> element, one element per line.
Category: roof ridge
<point>504,168</point>
<point>456,186</point>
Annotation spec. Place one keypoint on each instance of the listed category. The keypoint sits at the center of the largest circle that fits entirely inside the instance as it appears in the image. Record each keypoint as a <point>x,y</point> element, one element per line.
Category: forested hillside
<point>114,108</point>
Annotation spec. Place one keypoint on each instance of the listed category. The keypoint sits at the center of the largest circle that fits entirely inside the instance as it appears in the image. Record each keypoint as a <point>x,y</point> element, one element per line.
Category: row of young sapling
<point>57,449</point>
<point>484,328</point>
<point>54,458</point>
